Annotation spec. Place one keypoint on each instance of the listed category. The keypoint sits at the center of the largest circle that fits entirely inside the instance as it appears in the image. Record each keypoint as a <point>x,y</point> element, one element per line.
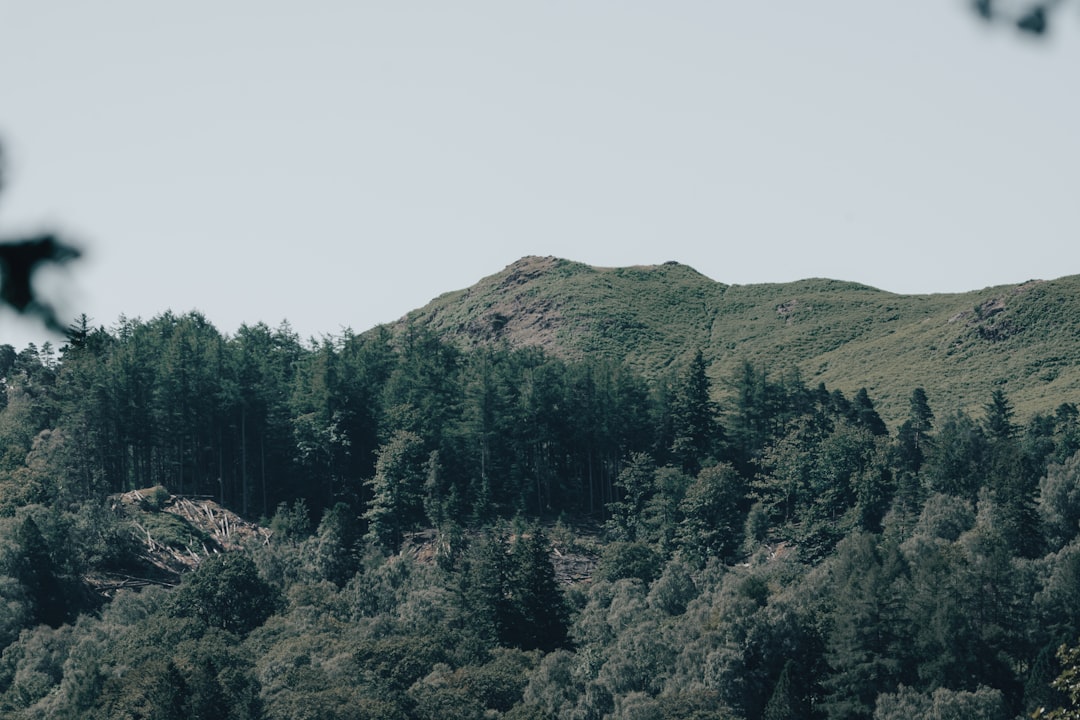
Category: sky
<point>336,164</point>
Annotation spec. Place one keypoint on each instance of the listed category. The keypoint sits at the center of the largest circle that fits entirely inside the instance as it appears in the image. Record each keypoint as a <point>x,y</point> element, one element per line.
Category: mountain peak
<point>843,334</point>
<point>571,309</point>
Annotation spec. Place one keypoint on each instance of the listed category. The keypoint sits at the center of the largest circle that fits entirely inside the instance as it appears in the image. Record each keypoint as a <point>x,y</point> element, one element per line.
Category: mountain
<point>1024,339</point>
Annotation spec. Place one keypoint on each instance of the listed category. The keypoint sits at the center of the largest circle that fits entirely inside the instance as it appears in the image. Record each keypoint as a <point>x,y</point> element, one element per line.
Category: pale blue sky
<point>340,163</point>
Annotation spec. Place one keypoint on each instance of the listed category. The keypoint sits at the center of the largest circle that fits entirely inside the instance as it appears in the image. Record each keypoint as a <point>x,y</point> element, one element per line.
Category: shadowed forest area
<point>762,549</point>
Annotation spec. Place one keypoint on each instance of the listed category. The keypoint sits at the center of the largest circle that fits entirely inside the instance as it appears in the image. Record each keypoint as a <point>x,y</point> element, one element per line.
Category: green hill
<point>1022,338</point>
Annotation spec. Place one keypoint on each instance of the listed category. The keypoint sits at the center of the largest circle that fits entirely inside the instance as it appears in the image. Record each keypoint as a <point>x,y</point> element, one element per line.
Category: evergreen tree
<point>783,705</point>
<point>541,436</point>
<point>422,393</point>
<point>482,583</point>
<point>45,587</point>
<point>695,432</point>
<point>636,484</point>
<point>1059,502</point>
<point>397,489</point>
<point>538,616</point>
<point>1039,692</point>
<point>190,404</point>
<point>752,417</point>
<point>913,436</point>
<point>367,363</point>
<point>1067,683</point>
<point>1011,479</point>
<point>999,417</point>
<point>485,431</point>
<point>957,463</point>
<point>866,415</point>
<point>874,484</point>
<point>320,420</point>
<point>338,546</point>
<point>263,362</point>
<point>1066,431</point>
<point>865,645</point>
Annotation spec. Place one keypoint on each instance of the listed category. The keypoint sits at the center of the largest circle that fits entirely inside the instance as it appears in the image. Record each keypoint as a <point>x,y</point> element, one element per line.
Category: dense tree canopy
<point>500,533</point>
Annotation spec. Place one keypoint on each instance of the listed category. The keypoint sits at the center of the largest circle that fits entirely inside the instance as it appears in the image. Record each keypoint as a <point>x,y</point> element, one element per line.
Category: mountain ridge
<point>1023,338</point>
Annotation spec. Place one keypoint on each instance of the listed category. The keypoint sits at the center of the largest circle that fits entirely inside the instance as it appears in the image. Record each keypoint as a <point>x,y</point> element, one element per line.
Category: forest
<point>763,549</point>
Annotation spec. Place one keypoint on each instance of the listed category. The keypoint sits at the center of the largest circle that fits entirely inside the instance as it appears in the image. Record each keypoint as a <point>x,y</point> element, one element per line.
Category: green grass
<point>1022,338</point>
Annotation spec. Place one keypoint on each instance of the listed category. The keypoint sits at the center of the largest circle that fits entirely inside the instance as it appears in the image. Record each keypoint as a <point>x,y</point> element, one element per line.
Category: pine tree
<point>782,704</point>
<point>695,432</point>
<point>999,417</point>
<point>957,464</point>
<point>1066,431</point>
<point>538,616</point>
<point>637,485</point>
<point>866,415</point>
<point>40,576</point>
<point>913,443</point>
<point>397,489</point>
<point>1012,481</point>
<point>337,555</point>
<point>865,644</point>
<point>751,417</point>
<point>483,570</point>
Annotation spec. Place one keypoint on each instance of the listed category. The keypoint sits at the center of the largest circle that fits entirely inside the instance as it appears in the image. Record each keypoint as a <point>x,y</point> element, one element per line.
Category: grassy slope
<point>1023,338</point>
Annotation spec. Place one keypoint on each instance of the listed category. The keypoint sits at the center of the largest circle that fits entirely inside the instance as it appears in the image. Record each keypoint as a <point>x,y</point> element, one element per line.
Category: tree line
<point>765,549</point>
<point>261,418</point>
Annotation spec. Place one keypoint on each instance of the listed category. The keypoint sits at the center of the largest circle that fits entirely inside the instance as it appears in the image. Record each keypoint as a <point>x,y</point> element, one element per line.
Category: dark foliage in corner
<point>19,260</point>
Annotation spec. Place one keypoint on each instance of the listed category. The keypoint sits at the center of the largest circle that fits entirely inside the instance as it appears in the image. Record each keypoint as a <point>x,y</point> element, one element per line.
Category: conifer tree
<point>636,484</point>
<point>957,464</point>
<point>40,576</point>
<point>864,645</point>
<point>397,489</point>
<point>695,432</point>
<point>866,415</point>
<point>483,570</point>
<point>782,704</point>
<point>1012,482</point>
<point>913,443</point>
<point>751,417</point>
<point>999,417</point>
<point>1066,431</point>
<point>538,616</point>
<point>338,545</point>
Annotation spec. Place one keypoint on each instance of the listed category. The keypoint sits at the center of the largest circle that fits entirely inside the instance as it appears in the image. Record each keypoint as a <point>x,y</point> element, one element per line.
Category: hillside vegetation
<point>1024,338</point>
<point>507,508</point>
